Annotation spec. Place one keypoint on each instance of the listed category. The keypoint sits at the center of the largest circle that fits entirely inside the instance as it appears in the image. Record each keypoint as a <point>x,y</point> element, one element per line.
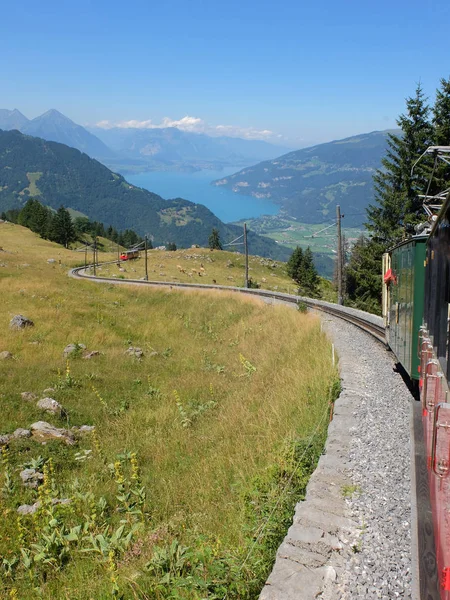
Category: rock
<point>51,406</point>
<point>20,322</point>
<point>31,478</point>
<point>42,432</point>
<point>91,354</point>
<point>28,396</point>
<point>30,509</point>
<point>51,261</point>
<point>4,439</point>
<point>154,353</point>
<point>137,352</point>
<point>48,390</point>
<point>73,348</point>
<point>83,428</point>
<point>21,433</point>
<point>5,355</point>
<point>87,428</point>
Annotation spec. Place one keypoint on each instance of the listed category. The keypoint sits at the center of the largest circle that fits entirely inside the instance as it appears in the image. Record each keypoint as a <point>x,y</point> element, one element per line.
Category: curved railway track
<point>369,323</point>
<point>421,529</point>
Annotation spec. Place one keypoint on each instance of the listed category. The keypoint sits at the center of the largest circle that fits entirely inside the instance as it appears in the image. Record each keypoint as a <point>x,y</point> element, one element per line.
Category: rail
<point>366,321</point>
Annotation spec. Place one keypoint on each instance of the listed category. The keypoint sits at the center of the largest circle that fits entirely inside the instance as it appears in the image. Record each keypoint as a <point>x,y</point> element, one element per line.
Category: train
<point>416,312</point>
<point>129,254</point>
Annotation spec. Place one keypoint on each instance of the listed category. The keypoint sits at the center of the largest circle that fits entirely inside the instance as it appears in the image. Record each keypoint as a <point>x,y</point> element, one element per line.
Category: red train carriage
<point>129,254</point>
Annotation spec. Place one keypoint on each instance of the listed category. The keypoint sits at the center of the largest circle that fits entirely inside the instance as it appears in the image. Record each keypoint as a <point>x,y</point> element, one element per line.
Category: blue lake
<point>197,188</point>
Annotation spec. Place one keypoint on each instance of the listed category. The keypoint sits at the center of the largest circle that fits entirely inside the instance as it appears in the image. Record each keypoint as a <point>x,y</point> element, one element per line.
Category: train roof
<point>414,238</point>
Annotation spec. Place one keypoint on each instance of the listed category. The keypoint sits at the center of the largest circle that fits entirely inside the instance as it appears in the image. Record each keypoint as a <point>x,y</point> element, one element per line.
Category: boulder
<point>42,432</point>
<point>89,355</point>
<point>51,261</point>
<point>20,322</point>
<point>21,433</point>
<point>28,396</point>
<point>30,509</point>
<point>5,355</point>
<point>31,478</point>
<point>4,439</point>
<point>136,352</point>
<point>51,406</point>
<point>73,349</point>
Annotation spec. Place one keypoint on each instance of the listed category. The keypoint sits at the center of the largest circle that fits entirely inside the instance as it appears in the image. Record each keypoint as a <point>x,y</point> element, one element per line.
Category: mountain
<point>169,147</point>
<point>12,119</point>
<point>56,127</point>
<point>308,183</point>
<point>57,174</point>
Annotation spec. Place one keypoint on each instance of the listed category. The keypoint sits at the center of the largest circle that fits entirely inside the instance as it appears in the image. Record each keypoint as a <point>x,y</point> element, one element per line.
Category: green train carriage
<point>403,300</point>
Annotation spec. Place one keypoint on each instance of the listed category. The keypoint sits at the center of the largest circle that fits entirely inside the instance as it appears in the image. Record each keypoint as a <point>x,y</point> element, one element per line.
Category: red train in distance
<point>129,254</point>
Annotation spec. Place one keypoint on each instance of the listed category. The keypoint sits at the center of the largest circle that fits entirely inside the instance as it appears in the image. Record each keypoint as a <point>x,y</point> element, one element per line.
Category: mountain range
<point>307,184</point>
<point>133,149</point>
<point>59,175</point>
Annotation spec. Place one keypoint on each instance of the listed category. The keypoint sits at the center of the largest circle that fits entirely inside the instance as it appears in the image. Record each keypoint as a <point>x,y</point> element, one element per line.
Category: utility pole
<point>95,250</point>
<point>339,254</point>
<point>85,255</point>
<point>118,254</point>
<point>146,269</point>
<point>246,255</point>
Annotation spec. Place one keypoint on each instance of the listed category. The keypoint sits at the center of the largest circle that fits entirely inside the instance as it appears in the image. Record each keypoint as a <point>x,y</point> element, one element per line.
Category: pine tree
<point>310,283</point>
<point>214,240</point>
<point>295,264</point>
<point>62,230</point>
<point>301,268</point>
<point>362,274</point>
<point>441,135</point>
<point>398,206</point>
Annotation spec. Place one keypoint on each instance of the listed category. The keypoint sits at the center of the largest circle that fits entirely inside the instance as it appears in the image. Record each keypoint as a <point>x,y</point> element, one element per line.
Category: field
<point>292,233</point>
<point>202,444</point>
<point>203,266</point>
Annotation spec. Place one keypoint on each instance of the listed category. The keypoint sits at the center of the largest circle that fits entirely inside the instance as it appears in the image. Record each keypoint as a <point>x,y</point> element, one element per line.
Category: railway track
<point>369,323</point>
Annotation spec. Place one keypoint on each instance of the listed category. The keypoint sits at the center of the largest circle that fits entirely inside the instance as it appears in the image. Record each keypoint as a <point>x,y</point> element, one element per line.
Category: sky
<point>295,72</point>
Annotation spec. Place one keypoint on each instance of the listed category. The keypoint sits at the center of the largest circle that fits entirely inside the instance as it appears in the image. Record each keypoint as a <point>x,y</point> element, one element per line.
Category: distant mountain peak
<point>11,119</point>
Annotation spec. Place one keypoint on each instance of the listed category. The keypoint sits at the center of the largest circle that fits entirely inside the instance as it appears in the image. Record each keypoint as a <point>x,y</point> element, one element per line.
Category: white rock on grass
<point>72,349</point>
<point>31,478</point>
<point>51,406</point>
<point>5,355</point>
<point>137,352</point>
<point>30,509</point>
<point>43,431</point>
<point>28,396</point>
<point>21,433</point>
<point>20,322</point>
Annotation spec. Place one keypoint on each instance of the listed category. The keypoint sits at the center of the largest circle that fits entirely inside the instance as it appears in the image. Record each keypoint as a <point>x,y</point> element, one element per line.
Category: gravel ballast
<point>351,537</point>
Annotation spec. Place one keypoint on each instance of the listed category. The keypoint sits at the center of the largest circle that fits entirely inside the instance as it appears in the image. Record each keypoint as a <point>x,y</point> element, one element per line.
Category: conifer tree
<point>62,230</point>
<point>214,240</point>
<point>398,206</point>
<point>301,268</point>
<point>441,135</point>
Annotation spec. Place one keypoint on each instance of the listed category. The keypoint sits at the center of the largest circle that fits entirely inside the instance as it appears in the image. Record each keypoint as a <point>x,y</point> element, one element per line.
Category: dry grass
<point>240,418</point>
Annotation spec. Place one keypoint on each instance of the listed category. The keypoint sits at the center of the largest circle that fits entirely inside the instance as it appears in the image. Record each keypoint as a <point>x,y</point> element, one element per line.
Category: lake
<point>196,187</point>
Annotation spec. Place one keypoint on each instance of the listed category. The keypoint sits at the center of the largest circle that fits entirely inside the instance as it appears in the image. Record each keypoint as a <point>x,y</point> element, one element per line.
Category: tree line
<point>397,209</point>
<point>60,228</point>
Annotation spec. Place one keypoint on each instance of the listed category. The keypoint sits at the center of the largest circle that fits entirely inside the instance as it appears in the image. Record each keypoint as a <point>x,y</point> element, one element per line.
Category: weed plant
<point>201,448</point>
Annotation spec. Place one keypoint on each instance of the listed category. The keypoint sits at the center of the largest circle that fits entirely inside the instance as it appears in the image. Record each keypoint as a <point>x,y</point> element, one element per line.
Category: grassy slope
<point>201,266</point>
<point>209,483</point>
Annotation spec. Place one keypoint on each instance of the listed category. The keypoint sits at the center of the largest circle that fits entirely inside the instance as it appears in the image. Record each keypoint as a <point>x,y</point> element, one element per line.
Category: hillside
<point>57,174</point>
<point>56,127</point>
<point>169,148</point>
<point>308,183</point>
<point>217,424</point>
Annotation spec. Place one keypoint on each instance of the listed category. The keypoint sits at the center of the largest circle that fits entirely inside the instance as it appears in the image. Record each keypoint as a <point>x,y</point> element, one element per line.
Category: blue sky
<point>306,72</point>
